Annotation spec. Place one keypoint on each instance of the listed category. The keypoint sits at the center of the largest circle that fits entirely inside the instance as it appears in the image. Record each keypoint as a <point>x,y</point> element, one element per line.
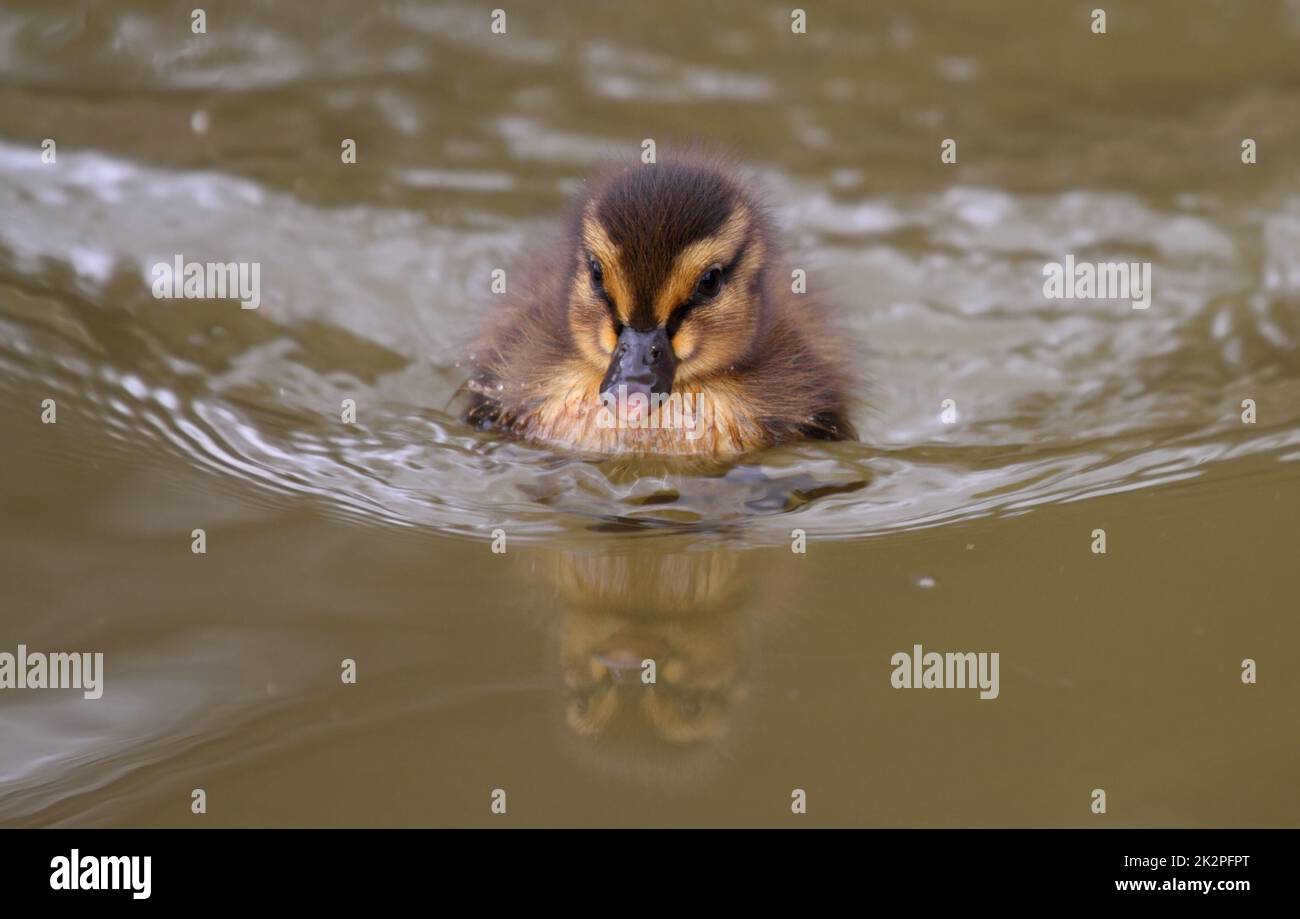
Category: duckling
<point>662,328</point>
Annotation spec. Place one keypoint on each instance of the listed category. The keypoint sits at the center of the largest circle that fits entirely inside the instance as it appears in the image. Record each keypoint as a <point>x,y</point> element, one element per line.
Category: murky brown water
<point>480,671</point>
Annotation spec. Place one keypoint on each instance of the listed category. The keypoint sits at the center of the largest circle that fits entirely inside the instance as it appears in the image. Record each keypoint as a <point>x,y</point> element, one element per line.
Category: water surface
<point>371,541</point>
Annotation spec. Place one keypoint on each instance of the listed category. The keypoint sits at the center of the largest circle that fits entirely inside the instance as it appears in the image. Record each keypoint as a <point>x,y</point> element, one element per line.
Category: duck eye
<point>597,274</point>
<point>691,704</point>
<point>709,283</point>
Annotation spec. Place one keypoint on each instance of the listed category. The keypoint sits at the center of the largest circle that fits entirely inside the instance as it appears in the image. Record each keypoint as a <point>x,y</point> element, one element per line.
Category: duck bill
<point>642,366</point>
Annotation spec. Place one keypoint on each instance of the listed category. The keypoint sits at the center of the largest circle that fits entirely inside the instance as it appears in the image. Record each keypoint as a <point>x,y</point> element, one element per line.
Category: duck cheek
<point>591,333</point>
<point>607,340</point>
<point>685,343</point>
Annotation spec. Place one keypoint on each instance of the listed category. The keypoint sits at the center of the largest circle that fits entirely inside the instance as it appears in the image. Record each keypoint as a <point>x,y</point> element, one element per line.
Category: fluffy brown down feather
<point>536,370</point>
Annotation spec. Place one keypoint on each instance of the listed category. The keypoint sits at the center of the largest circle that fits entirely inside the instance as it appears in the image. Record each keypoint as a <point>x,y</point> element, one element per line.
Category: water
<point>371,541</point>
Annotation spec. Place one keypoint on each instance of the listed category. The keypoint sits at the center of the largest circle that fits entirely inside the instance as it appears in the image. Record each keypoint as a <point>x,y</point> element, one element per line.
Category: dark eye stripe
<point>678,315</point>
<point>598,285</point>
<point>612,307</point>
<point>613,312</point>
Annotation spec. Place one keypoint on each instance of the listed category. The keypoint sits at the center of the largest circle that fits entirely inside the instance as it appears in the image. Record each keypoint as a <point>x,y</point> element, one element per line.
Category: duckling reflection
<point>657,654</point>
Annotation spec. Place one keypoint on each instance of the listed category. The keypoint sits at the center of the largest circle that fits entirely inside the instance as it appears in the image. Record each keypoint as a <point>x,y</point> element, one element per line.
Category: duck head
<point>667,279</point>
